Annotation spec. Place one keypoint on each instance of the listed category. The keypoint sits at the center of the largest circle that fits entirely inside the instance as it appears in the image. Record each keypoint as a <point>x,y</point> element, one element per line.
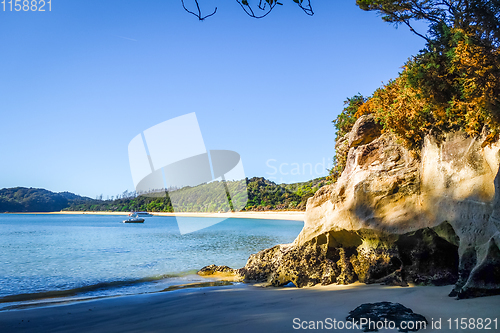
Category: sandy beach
<point>268,215</point>
<point>242,308</point>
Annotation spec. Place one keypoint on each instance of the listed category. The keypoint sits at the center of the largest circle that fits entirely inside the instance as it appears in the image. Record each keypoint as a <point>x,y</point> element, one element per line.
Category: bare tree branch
<point>262,6</point>
<point>306,8</point>
<point>415,32</point>
<point>199,15</point>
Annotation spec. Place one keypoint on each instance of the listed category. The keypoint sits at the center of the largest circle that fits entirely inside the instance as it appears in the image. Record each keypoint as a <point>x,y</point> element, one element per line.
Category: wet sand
<point>243,308</point>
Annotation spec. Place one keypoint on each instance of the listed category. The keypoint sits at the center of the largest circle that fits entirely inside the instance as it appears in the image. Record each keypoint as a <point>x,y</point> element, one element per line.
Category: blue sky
<point>79,82</point>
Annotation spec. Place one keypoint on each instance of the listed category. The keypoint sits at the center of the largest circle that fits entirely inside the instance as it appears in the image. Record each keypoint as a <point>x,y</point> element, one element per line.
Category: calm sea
<point>49,258</point>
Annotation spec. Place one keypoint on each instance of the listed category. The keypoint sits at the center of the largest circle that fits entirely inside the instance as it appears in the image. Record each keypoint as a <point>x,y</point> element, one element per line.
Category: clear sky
<point>79,82</point>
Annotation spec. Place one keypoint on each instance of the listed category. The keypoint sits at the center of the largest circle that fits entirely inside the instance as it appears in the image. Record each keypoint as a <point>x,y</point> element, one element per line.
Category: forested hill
<point>22,199</point>
<point>263,194</point>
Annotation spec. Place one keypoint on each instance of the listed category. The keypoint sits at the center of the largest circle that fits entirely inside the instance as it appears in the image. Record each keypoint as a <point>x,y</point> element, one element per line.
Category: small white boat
<point>134,218</point>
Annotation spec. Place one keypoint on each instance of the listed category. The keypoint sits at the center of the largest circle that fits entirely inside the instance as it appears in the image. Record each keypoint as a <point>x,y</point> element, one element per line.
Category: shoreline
<point>266,215</point>
<point>242,308</point>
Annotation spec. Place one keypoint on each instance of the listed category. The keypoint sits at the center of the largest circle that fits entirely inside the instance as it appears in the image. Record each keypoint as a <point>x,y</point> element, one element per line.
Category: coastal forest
<point>22,199</point>
<point>262,194</point>
<point>452,84</point>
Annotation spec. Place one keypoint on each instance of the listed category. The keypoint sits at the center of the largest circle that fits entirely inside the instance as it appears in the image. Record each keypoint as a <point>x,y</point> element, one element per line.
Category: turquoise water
<point>96,255</point>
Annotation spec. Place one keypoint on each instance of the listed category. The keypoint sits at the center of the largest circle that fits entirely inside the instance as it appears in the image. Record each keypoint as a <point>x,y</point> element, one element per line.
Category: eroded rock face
<point>364,255</point>
<point>364,131</point>
<point>385,187</point>
<point>396,217</point>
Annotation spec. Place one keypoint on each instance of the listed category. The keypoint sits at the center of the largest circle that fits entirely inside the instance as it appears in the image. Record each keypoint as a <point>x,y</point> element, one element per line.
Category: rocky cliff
<point>397,216</point>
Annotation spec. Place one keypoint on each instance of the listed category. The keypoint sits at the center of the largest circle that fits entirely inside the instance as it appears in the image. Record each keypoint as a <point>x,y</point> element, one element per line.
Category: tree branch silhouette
<point>198,15</point>
<point>306,8</point>
<point>263,8</point>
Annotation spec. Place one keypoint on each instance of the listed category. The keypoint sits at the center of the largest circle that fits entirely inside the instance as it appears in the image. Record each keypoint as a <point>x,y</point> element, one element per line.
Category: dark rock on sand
<point>213,269</point>
<point>387,313</point>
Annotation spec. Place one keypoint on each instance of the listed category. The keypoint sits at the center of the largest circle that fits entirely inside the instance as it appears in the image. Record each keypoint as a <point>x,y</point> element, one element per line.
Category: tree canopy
<point>479,18</point>
<point>452,84</point>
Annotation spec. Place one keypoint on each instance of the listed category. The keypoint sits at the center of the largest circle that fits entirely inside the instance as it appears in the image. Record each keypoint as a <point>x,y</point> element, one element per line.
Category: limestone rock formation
<point>395,216</point>
<point>364,255</point>
<point>364,131</point>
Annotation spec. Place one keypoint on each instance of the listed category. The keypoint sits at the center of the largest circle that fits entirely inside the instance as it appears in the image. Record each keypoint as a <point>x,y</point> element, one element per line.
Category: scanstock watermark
<point>170,159</point>
<point>365,324</point>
